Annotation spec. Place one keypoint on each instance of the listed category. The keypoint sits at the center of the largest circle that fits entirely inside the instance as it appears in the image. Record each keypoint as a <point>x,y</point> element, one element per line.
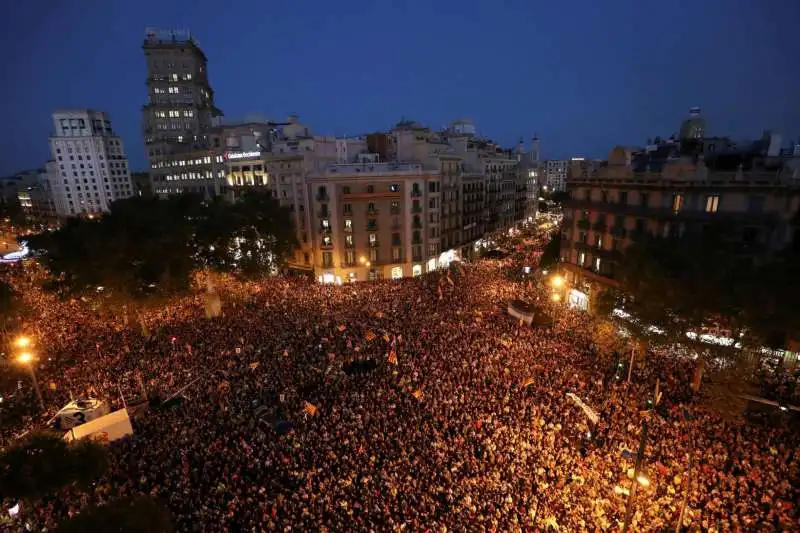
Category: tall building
<point>180,119</point>
<point>530,169</point>
<point>556,172</point>
<point>663,192</point>
<point>90,169</point>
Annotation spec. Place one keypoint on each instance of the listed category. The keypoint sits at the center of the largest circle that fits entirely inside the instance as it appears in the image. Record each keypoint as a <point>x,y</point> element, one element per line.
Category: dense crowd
<point>463,424</point>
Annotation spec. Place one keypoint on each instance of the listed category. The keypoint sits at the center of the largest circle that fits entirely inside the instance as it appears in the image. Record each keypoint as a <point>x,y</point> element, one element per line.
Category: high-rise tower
<point>180,116</point>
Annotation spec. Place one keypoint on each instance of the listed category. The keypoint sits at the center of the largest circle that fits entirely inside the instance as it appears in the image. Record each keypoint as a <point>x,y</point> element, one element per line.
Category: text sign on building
<point>241,155</point>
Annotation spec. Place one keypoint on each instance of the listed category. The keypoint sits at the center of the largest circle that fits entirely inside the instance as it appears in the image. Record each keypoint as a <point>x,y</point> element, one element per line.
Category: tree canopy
<point>148,245</point>
<point>42,464</point>
<point>134,515</point>
<point>689,282</point>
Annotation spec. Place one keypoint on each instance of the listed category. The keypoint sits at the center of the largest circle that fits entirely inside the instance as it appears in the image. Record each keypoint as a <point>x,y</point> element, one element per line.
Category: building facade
<point>180,119</point>
<point>612,207</point>
<point>90,169</point>
<point>556,173</point>
<point>369,221</point>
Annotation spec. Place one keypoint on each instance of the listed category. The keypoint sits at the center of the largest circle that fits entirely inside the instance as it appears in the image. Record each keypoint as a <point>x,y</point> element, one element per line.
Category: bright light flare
<point>22,342</point>
<point>557,281</point>
<point>25,358</point>
<point>556,297</point>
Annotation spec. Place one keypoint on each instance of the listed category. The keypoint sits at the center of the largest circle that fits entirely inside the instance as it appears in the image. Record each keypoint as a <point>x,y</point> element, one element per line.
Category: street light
<point>557,281</point>
<point>556,297</point>
<point>22,342</point>
<point>26,359</point>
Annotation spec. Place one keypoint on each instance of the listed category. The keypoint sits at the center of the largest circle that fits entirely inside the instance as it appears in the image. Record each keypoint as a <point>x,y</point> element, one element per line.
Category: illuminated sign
<point>241,155</point>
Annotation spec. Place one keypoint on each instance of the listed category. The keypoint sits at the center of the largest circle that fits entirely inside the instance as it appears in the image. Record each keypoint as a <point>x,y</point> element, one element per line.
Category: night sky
<point>584,74</point>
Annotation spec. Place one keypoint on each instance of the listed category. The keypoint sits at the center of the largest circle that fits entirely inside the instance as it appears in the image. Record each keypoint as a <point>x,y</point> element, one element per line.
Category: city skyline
<point>582,96</point>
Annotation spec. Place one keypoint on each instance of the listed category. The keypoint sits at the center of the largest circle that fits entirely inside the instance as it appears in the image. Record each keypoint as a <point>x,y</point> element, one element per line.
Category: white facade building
<point>556,175</point>
<point>90,169</point>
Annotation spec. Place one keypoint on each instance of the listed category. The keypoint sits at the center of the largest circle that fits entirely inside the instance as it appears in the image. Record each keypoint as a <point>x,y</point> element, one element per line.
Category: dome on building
<point>693,127</point>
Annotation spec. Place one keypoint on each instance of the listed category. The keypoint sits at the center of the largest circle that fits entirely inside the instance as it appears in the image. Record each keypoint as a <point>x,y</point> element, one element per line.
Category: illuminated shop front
<point>416,270</point>
<point>578,300</point>
<point>397,272</point>
<point>431,264</point>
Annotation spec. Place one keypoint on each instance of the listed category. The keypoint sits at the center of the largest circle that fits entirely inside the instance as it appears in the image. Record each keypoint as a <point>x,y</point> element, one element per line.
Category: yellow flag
<point>417,394</point>
<point>527,383</point>
<point>253,366</point>
<point>310,409</point>
<point>370,336</point>
<point>53,386</point>
<point>392,358</point>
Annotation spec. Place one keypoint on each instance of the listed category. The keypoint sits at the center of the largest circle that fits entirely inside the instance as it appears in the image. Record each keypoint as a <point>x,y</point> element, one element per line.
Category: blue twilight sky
<point>584,74</point>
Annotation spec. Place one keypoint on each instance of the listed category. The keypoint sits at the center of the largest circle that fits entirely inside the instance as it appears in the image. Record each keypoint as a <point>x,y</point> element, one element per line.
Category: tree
<point>147,247</point>
<point>10,301</point>
<point>552,251</point>
<point>134,515</point>
<point>43,464</point>
<point>679,284</point>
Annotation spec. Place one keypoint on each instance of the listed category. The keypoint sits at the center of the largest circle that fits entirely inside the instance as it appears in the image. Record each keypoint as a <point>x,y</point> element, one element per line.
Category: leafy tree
<point>684,283</point>
<point>559,197</point>
<point>134,515</point>
<point>552,251</point>
<point>11,212</point>
<point>146,247</point>
<point>42,464</point>
<point>10,301</point>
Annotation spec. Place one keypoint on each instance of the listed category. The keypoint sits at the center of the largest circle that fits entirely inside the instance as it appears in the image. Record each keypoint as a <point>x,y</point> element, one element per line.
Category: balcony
<point>372,212</point>
<point>324,246</point>
<point>640,235</point>
<point>397,225</point>
<point>417,224</point>
<point>584,224</point>
<point>372,227</point>
<point>324,214</point>
<point>372,244</point>
<point>322,197</point>
<point>416,241</point>
<point>416,209</point>
<point>619,231</point>
<point>395,210</point>
<point>600,226</point>
<point>416,193</point>
<point>349,244</point>
<point>324,230</point>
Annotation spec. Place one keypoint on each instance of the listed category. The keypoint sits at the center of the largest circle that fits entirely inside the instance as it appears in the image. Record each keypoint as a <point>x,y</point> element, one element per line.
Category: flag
<point>379,314</point>
<point>342,327</point>
<point>286,353</point>
<point>527,383</point>
<point>53,386</point>
<point>369,336</point>
<point>386,337</point>
<point>253,366</point>
<point>392,358</point>
<point>224,385</point>
<point>506,343</point>
<point>417,394</point>
<point>310,409</point>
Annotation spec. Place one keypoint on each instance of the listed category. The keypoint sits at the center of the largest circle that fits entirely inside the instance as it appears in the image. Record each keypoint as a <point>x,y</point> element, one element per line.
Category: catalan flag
<point>392,357</point>
<point>286,353</point>
<point>527,383</point>
<point>253,366</point>
<point>342,327</point>
<point>417,394</point>
<point>309,408</point>
<point>370,336</point>
<point>386,337</point>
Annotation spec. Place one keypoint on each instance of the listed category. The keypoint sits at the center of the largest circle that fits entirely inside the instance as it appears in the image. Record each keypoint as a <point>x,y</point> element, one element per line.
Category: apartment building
<point>180,119</point>
<point>664,192</point>
<point>90,169</point>
<point>370,220</point>
<point>556,173</point>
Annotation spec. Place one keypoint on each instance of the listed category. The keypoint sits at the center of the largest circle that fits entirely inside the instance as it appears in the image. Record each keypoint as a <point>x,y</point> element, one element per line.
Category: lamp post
<point>27,360</point>
<point>639,477</point>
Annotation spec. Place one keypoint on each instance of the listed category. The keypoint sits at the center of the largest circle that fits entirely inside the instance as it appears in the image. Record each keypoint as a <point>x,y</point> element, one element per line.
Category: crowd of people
<point>462,422</point>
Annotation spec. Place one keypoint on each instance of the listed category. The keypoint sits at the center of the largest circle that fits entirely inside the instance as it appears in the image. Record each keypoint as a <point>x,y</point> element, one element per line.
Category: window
<point>346,190</point>
<point>712,204</point>
<point>372,224</point>
<point>395,207</point>
<point>597,264</point>
<point>645,199</point>
<point>348,209</point>
<point>394,187</point>
<point>373,254</point>
<point>348,240</point>
<point>327,259</point>
<point>395,239</point>
<point>371,208</point>
<point>350,257</point>
<point>373,238</point>
<point>396,254</point>
<point>677,202</point>
<point>581,258</point>
<point>623,197</point>
<point>755,204</point>
<point>370,189</point>
<point>598,241</point>
<point>348,224</point>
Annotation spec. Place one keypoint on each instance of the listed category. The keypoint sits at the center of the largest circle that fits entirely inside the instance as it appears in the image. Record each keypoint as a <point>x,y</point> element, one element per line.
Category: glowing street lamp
<point>26,359</point>
<point>556,297</point>
<point>362,260</point>
<point>22,342</point>
<point>557,281</point>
